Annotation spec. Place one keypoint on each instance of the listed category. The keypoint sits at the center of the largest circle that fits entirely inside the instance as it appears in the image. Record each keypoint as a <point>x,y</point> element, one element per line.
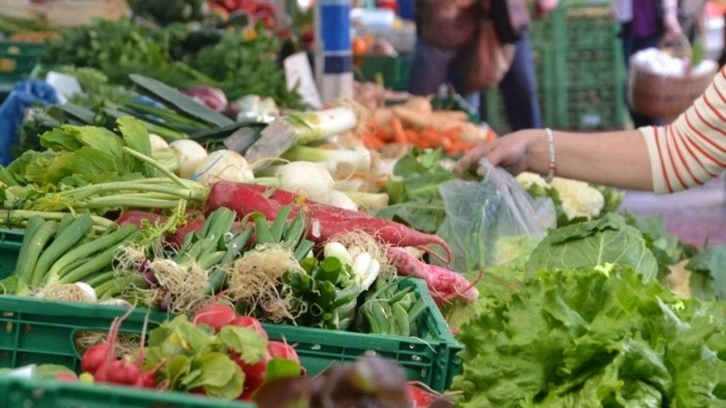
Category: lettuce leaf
<point>598,337</point>
<point>594,243</point>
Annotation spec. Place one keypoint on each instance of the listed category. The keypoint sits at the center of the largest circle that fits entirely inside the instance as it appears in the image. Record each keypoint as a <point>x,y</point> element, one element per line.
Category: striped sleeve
<point>692,149</point>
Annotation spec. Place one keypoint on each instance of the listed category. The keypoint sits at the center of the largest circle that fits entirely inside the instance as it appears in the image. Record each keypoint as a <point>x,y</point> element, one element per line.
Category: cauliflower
<point>526,180</point>
<point>579,199</point>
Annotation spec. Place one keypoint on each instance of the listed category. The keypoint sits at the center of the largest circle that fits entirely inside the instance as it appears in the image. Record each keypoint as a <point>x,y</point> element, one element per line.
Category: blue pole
<point>337,58</point>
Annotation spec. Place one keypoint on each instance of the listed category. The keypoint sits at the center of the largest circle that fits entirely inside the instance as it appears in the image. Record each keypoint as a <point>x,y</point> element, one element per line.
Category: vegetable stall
<point>184,229</point>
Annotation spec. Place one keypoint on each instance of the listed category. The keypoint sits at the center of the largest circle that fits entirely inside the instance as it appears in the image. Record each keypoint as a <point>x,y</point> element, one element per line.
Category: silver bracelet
<point>553,156</point>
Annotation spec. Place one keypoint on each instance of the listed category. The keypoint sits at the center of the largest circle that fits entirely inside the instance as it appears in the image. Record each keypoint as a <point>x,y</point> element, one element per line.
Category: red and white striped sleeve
<point>692,149</point>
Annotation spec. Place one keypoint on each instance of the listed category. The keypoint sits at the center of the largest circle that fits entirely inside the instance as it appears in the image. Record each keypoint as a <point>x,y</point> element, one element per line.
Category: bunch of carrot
<point>415,123</point>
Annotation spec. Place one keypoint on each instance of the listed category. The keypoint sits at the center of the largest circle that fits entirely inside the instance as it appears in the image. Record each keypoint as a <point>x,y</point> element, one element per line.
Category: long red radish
<point>445,285</point>
<point>327,221</point>
<point>215,315</point>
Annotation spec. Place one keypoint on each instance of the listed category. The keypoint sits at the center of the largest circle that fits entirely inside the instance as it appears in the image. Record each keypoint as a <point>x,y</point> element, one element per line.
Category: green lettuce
<point>594,243</point>
<point>597,337</point>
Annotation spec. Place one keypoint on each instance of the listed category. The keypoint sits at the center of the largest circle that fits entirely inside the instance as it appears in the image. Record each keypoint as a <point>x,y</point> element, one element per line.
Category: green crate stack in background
<point>17,60</point>
<point>389,71</point>
<point>579,70</point>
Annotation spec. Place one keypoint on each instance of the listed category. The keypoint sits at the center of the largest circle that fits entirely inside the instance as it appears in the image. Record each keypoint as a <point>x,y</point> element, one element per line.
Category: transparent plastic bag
<point>489,221</point>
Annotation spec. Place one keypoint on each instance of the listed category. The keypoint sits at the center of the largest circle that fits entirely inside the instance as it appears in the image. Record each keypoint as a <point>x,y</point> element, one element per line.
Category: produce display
<point>188,183</point>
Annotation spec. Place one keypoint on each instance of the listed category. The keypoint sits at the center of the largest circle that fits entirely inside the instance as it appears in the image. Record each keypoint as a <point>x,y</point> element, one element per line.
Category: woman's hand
<point>509,151</point>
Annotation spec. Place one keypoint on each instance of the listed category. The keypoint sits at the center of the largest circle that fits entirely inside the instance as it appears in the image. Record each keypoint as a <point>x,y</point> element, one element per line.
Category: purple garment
<point>645,18</point>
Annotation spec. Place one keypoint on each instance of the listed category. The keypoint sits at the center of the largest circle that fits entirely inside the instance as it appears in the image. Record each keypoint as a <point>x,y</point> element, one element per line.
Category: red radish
<point>94,357</point>
<point>419,397</point>
<point>122,372</point>
<point>148,379</point>
<point>254,373</point>
<point>444,284</point>
<point>215,315</point>
<point>279,349</point>
<point>250,323</point>
<point>66,376</point>
<point>138,217</point>
<point>102,370</point>
<point>327,221</point>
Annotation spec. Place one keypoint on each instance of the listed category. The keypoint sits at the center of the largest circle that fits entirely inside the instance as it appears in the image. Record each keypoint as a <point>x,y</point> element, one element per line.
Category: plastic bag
<point>24,95</point>
<point>487,221</point>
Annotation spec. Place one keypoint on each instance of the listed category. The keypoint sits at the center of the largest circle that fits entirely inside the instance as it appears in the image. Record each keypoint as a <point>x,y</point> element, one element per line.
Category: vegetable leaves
<point>79,155</point>
<point>596,338</point>
<point>414,191</point>
<point>591,244</point>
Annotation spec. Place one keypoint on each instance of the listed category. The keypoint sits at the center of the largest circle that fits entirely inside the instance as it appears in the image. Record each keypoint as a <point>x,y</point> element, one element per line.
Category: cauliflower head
<point>579,199</point>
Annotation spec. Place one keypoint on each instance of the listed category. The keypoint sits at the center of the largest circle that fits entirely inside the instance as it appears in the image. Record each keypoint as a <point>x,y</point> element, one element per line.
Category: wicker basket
<point>658,96</point>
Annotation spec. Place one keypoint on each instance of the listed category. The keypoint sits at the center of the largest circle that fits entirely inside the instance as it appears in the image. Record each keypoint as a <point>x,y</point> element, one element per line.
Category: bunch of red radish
<point>106,367</point>
<point>218,315</point>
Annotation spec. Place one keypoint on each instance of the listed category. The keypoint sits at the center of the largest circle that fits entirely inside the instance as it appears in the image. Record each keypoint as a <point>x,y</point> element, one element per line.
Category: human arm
<point>618,159</point>
<point>684,154</point>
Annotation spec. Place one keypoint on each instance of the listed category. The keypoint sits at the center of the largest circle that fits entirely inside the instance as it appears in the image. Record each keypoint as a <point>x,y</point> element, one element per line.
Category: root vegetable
<point>250,322</point>
<point>221,165</point>
<point>308,179</point>
<point>157,143</point>
<point>215,315</point>
<point>190,154</point>
<point>445,285</point>
<point>278,349</point>
<point>328,221</point>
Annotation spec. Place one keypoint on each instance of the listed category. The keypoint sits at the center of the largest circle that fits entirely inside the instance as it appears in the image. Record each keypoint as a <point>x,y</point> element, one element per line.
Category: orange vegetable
<point>399,136</point>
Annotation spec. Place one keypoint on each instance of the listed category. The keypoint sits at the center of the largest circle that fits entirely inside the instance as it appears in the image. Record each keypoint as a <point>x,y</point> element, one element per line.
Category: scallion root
<point>88,338</point>
<point>183,291</point>
<point>254,280</point>
<point>66,292</point>
<point>359,241</point>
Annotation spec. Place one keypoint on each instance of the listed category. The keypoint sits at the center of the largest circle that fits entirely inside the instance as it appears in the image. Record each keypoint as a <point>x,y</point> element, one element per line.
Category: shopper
<point>683,154</point>
<point>643,24</point>
<point>519,85</point>
<point>443,29</point>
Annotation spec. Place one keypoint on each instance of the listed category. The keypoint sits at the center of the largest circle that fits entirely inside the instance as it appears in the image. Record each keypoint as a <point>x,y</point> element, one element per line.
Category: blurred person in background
<point>519,85</point>
<point>444,29</point>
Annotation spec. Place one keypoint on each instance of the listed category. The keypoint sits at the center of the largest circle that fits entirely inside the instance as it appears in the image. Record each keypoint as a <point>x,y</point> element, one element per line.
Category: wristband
<point>553,156</point>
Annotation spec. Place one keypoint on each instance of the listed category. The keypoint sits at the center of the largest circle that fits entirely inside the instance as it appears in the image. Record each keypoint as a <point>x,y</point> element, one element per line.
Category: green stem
<point>8,217</point>
<point>158,166</point>
<point>117,201</point>
<point>118,186</point>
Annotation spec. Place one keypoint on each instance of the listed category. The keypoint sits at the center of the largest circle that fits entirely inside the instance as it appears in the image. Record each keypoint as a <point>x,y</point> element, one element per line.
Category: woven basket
<point>658,96</point>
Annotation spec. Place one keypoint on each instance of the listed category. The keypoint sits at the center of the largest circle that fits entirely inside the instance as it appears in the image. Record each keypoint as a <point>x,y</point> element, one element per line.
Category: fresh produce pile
<point>240,60</point>
<point>222,207</point>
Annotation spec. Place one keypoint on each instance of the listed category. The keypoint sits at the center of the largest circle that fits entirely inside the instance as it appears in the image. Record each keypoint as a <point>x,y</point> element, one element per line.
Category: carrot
<point>445,285</point>
<point>327,221</point>
<point>411,135</point>
<point>372,141</point>
<point>399,136</point>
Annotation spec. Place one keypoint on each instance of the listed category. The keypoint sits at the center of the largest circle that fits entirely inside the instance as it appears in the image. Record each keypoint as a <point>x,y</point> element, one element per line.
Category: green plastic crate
<point>10,242</point>
<point>431,359</point>
<point>42,332</point>
<point>32,393</point>
<point>391,71</point>
<point>17,59</point>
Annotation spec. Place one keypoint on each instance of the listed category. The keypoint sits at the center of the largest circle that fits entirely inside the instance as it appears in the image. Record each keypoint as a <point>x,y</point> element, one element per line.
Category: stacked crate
<point>579,70</point>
